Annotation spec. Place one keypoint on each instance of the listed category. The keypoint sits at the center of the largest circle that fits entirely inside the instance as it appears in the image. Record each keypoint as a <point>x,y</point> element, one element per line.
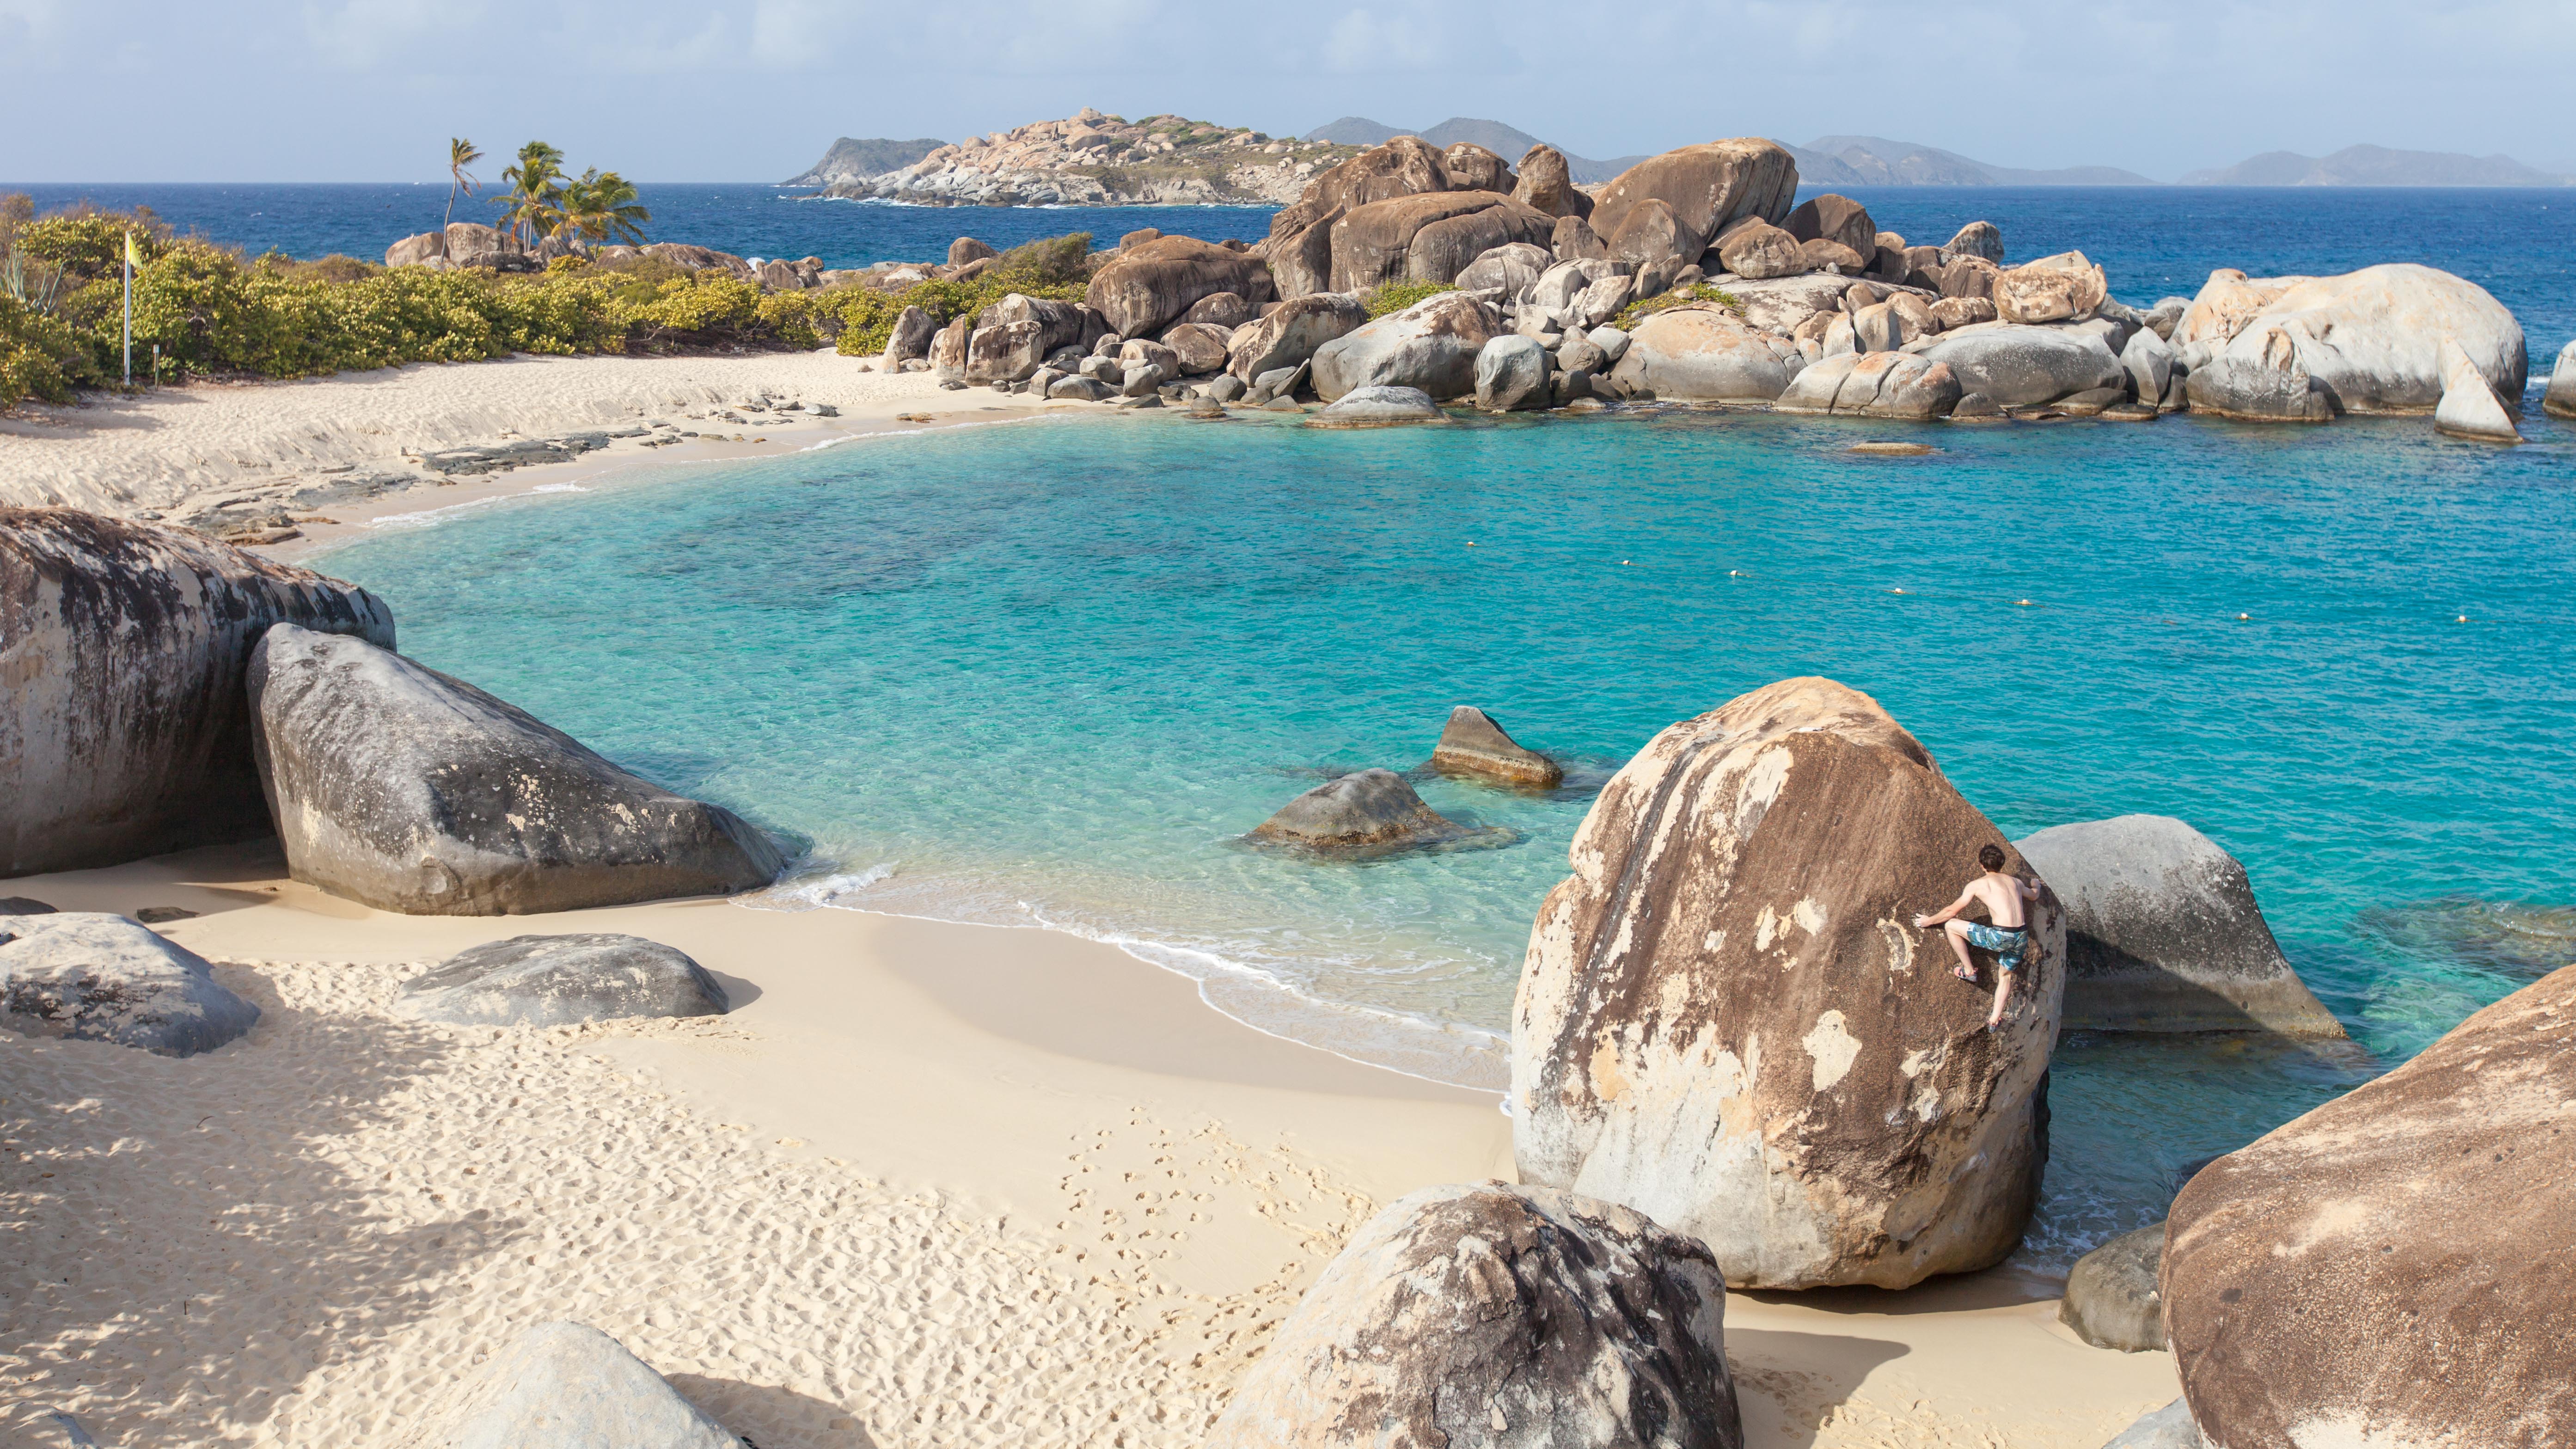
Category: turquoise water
<point>1051,670</point>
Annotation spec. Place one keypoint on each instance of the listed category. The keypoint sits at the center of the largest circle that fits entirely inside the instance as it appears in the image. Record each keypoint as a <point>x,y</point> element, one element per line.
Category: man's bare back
<point>2005,931</point>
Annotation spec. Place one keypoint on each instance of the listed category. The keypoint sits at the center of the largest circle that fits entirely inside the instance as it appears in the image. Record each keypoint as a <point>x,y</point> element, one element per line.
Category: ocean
<point>1049,672</point>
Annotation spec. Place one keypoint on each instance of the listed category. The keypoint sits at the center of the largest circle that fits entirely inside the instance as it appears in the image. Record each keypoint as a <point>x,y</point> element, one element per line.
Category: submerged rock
<point>399,787</point>
<point>1727,1021</point>
<point>1499,1317</point>
<point>570,1386</point>
<point>2393,1268</point>
<point>1472,743</point>
<point>1379,406</point>
<point>124,646</point>
<point>2163,933</point>
<point>2111,1299</point>
<point>559,980</point>
<point>96,977</point>
<point>1367,809</point>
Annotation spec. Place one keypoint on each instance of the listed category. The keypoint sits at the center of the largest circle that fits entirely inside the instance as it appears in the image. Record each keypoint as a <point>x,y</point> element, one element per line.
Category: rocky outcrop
<point>2469,407</point>
<point>909,339</point>
<point>569,1384</point>
<point>1727,1021</point>
<point>1978,239</point>
<point>1758,251</point>
<point>1473,743</point>
<point>2067,287</point>
<point>1300,246</point>
<point>1092,159</point>
<point>1428,238</point>
<point>1547,185</point>
<point>1368,809</point>
<point>1375,407</point>
<point>1509,269</point>
<point>2018,365</point>
<point>1699,191</point>
<point>401,788</point>
<point>1289,333</point>
<point>2370,341</point>
<point>1498,1317</point>
<point>1511,374</point>
<point>1147,288</point>
<point>2560,400</point>
<point>428,249</point>
<point>1780,305</point>
<point>1876,385</point>
<point>948,349</point>
<point>2163,933</point>
<point>560,980</point>
<point>1471,167</point>
<point>1837,219</point>
<point>2149,361</point>
<point>95,977</point>
<point>1431,345</point>
<point>471,244</point>
<point>123,645</point>
<point>1700,352</point>
<point>1197,348</point>
<point>2111,1299</point>
<point>2393,1269</point>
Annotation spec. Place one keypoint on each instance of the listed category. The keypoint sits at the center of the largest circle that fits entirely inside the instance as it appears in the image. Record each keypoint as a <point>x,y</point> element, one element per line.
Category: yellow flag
<point>133,258</point>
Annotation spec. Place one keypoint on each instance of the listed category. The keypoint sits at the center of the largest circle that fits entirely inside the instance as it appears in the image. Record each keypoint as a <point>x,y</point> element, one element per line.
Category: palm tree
<point>602,207</point>
<point>534,205</point>
<point>460,154</point>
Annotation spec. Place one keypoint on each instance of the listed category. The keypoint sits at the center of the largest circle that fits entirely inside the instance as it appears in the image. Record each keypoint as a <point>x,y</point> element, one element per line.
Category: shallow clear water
<point>1053,669</point>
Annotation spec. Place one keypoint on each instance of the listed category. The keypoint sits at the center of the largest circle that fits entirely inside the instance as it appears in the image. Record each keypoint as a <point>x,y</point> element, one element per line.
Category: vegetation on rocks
<point>1388,298</point>
<point>1639,311</point>
<point>1054,269</point>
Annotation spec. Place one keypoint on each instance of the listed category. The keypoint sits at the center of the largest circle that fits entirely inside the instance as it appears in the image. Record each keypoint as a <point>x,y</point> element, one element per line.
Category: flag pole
<point>129,309</point>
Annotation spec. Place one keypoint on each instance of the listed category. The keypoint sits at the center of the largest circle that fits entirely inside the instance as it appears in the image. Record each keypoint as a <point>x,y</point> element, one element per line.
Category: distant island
<point>2377,166</point>
<point>1102,160</point>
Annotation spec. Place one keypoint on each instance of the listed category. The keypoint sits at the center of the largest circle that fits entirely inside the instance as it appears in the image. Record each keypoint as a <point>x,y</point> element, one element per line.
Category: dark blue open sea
<point>1048,672</point>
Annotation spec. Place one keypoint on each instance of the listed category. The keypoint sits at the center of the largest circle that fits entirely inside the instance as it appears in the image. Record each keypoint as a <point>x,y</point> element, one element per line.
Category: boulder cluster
<point>463,245</point>
<point>1748,296</point>
<point>1091,158</point>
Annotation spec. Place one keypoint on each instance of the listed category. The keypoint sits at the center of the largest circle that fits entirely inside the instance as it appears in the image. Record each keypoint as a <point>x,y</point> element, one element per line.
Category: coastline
<point>910,1192</point>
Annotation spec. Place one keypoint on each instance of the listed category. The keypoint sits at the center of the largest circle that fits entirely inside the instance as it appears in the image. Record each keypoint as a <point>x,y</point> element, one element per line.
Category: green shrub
<point>1388,298</point>
<point>1054,269</point>
<point>39,356</point>
<point>1636,312</point>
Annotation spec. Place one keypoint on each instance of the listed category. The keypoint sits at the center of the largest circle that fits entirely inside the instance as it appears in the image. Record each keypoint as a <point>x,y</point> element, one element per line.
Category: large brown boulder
<point>1428,238</point>
<point>1473,168</point>
<point>127,733</point>
<point>1290,332</point>
<point>1300,247</point>
<point>1759,251</point>
<point>414,251</point>
<point>2398,1267</point>
<point>1707,188</point>
<point>2065,287</point>
<point>1497,1317</point>
<point>472,244</point>
<point>1547,184</point>
<point>1727,1020</point>
<point>1835,219</point>
<point>1148,287</point>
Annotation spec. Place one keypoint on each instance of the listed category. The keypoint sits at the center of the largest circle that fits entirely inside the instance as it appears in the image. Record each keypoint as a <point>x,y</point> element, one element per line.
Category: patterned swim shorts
<point>2009,943</point>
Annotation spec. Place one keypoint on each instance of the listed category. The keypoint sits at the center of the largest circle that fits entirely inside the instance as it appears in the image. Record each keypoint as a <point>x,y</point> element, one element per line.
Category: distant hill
<point>2377,166</point>
<point>1877,161</point>
<point>1507,142</point>
<point>851,159</point>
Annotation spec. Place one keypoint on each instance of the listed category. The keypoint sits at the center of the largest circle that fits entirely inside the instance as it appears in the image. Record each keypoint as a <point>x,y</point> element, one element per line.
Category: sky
<point>734,90</point>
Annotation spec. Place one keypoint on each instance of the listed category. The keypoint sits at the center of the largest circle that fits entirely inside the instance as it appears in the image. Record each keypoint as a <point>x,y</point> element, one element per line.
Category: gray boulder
<point>909,339</point>
<point>2111,1299</point>
<point>126,734</point>
<point>559,980</point>
<point>1378,406</point>
<point>1220,309</point>
<point>1509,267</point>
<point>2163,933</point>
<point>1726,1020</point>
<point>1277,384</point>
<point>1546,184</point>
<point>2370,341</point>
<point>1979,239</point>
<point>1511,373</point>
<point>1078,389</point>
<point>1431,345</point>
<point>1612,341</point>
<point>1473,743</point>
<point>2469,407</point>
<point>2065,287</point>
<point>2258,390</point>
<point>2167,1428</point>
<point>96,977</point>
<point>2149,362</point>
<point>23,906</point>
<point>2560,400</point>
<point>967,249</point>
<point>401,788</point>
<point>570,1386</point>
<point>2018,365</point>
<point>1780,305</point>
<point>1874,384</point>
<point>1497,1317</point>
<point>1198,347</point>
<point>1835,219</point>
<point>1574,240</point>
<point>948,349</point>
<point>1371,808</point>
<point>1289,333</point>
<point>1700,352</point>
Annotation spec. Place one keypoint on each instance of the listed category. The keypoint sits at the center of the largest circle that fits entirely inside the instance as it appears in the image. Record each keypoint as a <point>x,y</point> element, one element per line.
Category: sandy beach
<point>172,449</point>
<point>926,1185</point>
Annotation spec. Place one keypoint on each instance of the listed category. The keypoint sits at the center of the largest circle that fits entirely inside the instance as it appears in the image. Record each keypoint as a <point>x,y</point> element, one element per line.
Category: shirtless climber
<point>2005,931</point>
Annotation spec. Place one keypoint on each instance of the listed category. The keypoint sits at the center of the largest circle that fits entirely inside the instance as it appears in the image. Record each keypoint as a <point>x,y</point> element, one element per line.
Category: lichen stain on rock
<point>1833,1047</point>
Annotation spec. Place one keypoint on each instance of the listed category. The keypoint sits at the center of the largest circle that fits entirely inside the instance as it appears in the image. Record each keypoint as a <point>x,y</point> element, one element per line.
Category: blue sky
<point>364,90</point>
